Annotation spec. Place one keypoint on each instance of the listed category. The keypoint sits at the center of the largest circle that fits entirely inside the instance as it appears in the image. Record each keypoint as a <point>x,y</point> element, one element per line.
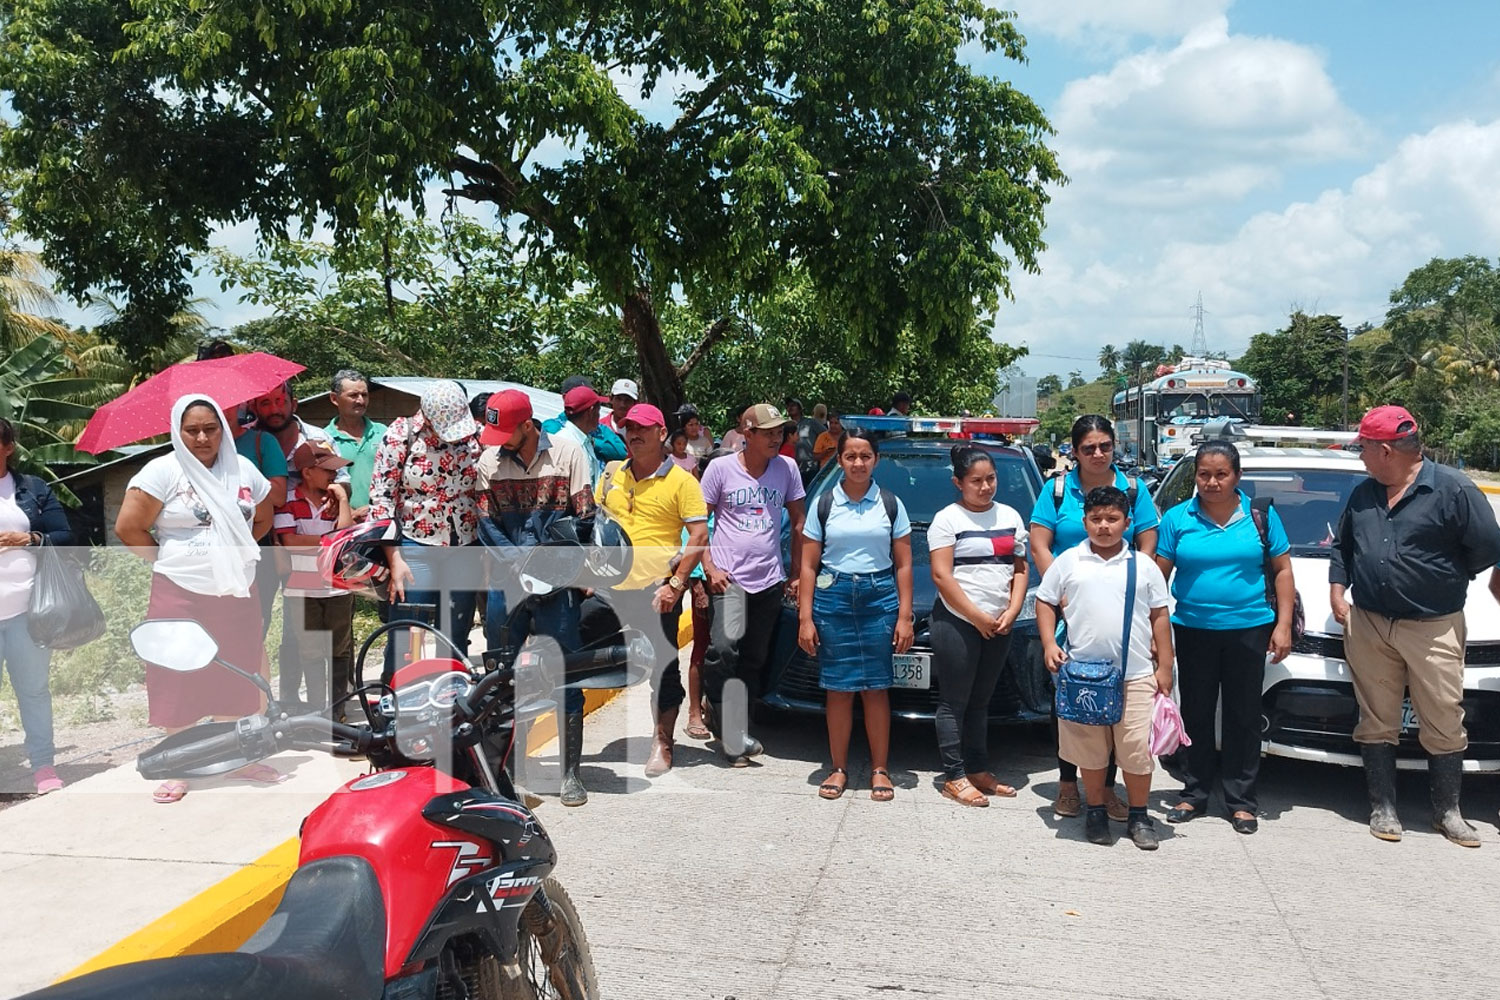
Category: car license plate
<point>1409,721</point>
<point>912,670</point>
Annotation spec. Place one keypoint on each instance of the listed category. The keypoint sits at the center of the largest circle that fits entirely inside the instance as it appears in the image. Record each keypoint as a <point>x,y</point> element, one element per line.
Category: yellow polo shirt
<point>653,512</point>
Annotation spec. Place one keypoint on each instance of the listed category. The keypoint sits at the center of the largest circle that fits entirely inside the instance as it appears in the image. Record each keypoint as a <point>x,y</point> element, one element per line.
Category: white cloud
<point>1096,22</point>
<point>1341,252</point>
<point>1215,117</point>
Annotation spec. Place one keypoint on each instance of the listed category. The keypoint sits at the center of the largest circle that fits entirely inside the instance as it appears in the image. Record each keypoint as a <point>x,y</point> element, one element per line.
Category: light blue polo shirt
<point>1066,521</point>
<point>1219,581</point>
<point>859,534</point>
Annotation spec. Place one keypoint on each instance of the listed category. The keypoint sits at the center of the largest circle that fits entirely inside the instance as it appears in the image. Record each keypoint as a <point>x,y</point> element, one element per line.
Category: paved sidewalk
<point>83,868</point>
<point>714,883</point>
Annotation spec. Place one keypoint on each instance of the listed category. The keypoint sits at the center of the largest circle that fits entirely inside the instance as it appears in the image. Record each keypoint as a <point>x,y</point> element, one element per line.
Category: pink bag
<point>1167,731</point>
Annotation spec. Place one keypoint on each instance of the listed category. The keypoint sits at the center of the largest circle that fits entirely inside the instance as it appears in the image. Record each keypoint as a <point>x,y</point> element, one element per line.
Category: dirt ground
<point>83,749</point>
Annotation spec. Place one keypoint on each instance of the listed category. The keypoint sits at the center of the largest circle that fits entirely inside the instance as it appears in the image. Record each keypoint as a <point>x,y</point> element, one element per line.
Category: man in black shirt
<point>1411,538</point>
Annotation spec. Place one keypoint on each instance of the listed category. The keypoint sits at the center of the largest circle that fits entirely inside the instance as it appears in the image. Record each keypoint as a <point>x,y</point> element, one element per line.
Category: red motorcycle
<point>425,879</point>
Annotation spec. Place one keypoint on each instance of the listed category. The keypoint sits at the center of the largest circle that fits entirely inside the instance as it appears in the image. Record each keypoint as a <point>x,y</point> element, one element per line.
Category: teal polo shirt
<point>1066,521</point>
<point>361,451</point>
<point>1220,581</point>
<point>858,533</point>
<point>263,451</point>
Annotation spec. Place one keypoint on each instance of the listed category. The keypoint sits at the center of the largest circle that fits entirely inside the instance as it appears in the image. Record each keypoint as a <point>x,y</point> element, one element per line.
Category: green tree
<point>1076,380</point>
<point>1048,385</point>
<point>1141,357</point>
<point>1440,355</point>
<point>850,140</point>
<point>1300,371</point>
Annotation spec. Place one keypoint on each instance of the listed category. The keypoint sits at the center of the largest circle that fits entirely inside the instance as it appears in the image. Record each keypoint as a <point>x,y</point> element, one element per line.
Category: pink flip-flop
<point>46,780</point>
<point>170,791</point>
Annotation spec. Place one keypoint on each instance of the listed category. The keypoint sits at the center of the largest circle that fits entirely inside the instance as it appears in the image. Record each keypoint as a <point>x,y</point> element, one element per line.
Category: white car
<point>1308,707</point>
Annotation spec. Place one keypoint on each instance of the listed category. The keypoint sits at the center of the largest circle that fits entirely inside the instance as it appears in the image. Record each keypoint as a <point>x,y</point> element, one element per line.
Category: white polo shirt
<point>1095,612</point>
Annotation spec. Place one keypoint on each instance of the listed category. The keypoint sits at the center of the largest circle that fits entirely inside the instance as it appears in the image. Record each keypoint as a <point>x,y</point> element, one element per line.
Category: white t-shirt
<point>17,565</point>
<point>1095,612</point>
<point>985,547</point>
<point>184,541</point>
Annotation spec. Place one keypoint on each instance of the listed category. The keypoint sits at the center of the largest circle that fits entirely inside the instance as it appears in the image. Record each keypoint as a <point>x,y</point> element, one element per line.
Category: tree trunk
<point>660,384</point>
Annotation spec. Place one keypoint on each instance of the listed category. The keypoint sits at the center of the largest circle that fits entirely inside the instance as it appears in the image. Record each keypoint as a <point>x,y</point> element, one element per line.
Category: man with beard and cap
<point>527,481</point>
<point>600,441</point>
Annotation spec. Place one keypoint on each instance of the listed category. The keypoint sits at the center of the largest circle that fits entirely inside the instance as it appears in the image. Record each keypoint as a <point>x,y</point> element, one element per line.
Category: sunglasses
<point>1096,449</point>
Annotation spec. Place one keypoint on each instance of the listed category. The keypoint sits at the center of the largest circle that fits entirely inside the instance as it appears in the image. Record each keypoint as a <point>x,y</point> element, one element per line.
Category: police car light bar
<point>1009,426</point>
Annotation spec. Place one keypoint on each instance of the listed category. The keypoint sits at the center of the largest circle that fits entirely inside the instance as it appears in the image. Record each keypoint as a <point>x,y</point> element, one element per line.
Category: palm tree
<point>44,401</point>
<point>1109,359</point>
<point>23,294</point>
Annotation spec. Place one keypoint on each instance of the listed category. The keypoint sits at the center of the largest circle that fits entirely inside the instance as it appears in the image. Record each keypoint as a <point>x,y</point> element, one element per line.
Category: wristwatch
<point>675,582</point>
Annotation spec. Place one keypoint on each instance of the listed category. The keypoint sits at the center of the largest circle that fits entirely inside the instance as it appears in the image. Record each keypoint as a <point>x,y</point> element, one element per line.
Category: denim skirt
<point>856,619</point>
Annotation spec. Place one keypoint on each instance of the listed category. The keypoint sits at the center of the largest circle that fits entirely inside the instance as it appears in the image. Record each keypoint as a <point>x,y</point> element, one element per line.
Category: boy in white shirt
<point>1087,585</point>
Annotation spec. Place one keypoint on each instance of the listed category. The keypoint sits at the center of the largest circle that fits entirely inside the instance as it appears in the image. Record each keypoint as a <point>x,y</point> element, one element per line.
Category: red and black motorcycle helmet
<point>353,558</point>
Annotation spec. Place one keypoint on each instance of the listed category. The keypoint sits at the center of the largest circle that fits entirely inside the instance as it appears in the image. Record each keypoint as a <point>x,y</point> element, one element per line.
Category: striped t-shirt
<point>986,545</point>
<point>299,516</point>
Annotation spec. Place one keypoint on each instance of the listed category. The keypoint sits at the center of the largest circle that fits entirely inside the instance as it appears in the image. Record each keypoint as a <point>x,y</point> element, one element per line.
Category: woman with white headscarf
<point>195,515</point>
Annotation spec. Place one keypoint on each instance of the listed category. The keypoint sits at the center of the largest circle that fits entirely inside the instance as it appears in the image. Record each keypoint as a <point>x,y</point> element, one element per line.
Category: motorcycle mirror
<point>174,643</point>
<point>551,567</point>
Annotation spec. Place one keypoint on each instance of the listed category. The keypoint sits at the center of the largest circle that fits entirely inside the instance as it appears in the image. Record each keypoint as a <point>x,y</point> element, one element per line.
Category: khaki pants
<point>1130,738</point>
<point>1389,656</point>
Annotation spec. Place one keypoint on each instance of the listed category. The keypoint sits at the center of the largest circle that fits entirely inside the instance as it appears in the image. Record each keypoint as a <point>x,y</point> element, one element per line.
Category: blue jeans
<point>28,665</point>
<point>426,588</point>
<point>556,615</point>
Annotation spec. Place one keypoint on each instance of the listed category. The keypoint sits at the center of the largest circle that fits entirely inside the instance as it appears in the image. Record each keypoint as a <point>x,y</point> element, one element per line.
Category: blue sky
<point>1269,154</point>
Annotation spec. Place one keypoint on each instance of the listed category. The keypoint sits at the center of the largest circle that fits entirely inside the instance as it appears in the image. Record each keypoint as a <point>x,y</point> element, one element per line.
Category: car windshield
<point>1308,501</point>
<point>924,482</point>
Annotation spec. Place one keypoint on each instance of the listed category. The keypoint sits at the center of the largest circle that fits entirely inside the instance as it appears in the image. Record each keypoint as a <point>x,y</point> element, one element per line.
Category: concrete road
<point>717,883</point>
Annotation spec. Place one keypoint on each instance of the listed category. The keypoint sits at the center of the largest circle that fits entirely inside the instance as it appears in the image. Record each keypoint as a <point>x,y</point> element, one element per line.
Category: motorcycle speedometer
<point>413,697</point>
<point>447,689</point>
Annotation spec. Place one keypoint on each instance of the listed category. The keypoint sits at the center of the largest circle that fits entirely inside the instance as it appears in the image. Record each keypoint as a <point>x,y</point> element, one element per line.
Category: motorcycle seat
<point>326,941</point>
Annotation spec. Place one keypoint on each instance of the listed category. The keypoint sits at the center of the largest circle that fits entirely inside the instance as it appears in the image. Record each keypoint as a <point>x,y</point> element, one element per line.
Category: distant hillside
<point>1058,411</point>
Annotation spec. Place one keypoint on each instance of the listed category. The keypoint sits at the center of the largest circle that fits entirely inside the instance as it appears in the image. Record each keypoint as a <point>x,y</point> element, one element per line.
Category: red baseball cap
<point>505,411</point>
<point>1388,423</point>
<point>580,398</point>
<point>645,415</point>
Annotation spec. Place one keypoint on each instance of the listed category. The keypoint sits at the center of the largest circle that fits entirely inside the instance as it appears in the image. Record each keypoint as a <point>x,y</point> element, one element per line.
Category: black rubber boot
<point>1380,776</point>
<point>1445,773</point>
<point>573,792</point>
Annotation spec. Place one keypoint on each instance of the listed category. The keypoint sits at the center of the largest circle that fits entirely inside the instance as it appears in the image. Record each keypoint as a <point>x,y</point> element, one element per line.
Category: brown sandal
<point>882,793</point>
<point>962,791</point>
<point>987,783</point>
<point>828,790</point>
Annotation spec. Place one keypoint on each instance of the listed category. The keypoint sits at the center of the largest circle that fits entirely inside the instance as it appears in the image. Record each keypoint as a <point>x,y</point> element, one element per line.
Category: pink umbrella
<point>146,410</point>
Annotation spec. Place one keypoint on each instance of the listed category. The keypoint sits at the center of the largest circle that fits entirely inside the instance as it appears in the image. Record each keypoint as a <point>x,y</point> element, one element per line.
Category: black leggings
<point>1230,663</point>
<point>967,667</point>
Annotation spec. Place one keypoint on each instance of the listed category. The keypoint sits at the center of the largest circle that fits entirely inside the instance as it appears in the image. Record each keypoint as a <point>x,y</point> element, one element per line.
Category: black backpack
<point>1260,513</point>
<point>1059,488</point>
<point>825,504</point>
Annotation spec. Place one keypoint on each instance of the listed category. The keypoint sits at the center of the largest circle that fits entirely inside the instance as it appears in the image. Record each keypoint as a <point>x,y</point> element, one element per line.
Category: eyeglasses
<point>1103,448</point>
<point>1354,449</point>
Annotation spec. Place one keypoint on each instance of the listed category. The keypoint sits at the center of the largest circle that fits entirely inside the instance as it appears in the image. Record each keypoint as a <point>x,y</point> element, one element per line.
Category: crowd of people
<point>720,527</point>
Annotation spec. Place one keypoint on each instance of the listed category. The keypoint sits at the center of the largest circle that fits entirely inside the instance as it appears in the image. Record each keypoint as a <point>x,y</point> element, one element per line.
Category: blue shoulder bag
<point>1092,692</point>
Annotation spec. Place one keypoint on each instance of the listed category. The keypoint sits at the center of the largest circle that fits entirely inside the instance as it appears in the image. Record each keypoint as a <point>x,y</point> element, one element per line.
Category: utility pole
<point>1345,337</point>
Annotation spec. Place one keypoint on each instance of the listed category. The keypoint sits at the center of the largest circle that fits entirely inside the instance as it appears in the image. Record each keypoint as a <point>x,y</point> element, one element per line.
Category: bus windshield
<point>1207,405</point>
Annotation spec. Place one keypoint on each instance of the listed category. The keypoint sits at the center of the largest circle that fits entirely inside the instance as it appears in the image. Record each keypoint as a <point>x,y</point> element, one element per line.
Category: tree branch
<point>705,99</point>
<point>715,333</point>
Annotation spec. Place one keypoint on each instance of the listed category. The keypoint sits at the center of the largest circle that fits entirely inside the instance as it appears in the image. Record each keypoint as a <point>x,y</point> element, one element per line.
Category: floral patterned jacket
<point>425,484</point>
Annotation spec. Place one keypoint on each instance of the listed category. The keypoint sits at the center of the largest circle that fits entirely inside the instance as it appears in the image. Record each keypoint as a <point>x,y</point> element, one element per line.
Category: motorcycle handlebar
<point>223,752</point>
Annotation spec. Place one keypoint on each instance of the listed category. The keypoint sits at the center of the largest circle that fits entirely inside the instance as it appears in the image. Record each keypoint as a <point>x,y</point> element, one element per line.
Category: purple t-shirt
<point>747,518</point>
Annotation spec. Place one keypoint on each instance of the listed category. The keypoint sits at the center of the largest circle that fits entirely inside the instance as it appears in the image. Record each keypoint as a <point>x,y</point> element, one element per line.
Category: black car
<point>918,470</point>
